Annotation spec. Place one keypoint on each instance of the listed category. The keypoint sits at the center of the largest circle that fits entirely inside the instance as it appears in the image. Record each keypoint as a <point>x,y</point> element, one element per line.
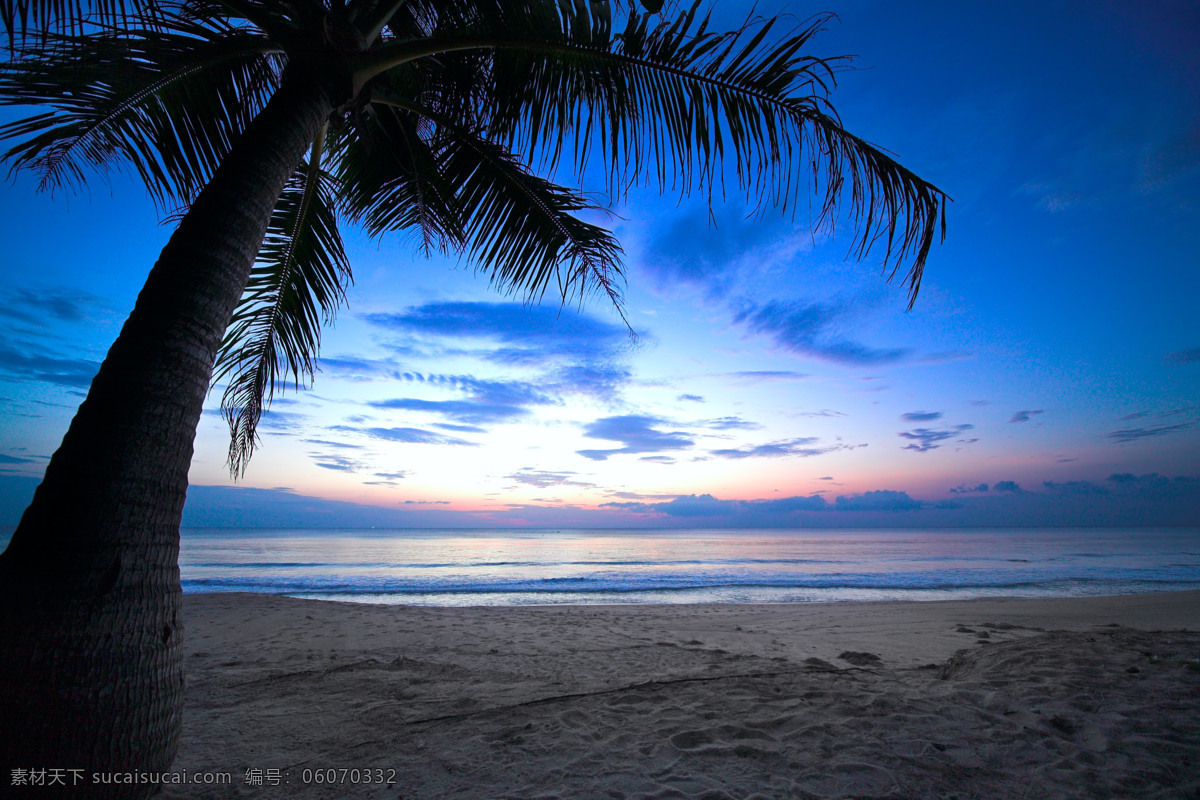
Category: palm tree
<point>261,125</point>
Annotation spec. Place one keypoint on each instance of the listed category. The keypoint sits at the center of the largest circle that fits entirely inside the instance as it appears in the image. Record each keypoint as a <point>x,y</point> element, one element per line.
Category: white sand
<point>1044,699</point>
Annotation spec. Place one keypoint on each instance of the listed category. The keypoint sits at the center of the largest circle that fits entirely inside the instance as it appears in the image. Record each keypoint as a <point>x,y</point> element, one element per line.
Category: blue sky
<point>1048,374</point>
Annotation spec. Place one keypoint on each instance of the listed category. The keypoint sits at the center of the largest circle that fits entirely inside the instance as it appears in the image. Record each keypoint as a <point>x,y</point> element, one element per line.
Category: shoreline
<point>717,701</point>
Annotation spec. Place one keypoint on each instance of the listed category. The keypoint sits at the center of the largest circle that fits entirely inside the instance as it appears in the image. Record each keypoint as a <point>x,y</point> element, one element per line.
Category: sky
<point>1049,373</point>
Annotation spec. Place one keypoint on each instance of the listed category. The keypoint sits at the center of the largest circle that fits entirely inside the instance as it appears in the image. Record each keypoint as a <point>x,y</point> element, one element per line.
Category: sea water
<point>521,567</point>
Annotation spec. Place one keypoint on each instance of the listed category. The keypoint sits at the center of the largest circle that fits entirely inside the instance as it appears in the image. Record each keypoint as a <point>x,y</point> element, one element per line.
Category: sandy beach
<point>1072,698</point>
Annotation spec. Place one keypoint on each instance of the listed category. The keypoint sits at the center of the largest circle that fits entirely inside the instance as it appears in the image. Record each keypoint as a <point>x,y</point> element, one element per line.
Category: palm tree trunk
<point>91,672</point>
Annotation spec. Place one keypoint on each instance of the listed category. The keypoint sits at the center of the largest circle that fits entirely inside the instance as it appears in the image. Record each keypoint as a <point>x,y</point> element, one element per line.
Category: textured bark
<point>91,674</point>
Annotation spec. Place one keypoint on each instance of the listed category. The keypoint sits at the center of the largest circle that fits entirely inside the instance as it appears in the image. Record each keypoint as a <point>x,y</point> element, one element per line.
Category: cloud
<point>327,443</point>
<point>447,426</point>
<point>636,432</point>
<point>714,248</point>
<point>463,411</point>
<point>52,302</point>
<point>529,334</point>
<point>964,489</point>
<point>337,463</point>
<point>73,372</point>
<point>361,369</point>
<point>803,447</point>
<point>704,505</point>
<point>1025,416</point>
<point>405,435</point>
<point>1137,434</point>
<point>879,500</point>
<point>768,375</point>
<point>810,330</point>
<point>281,421</point>
<point>7,459</point>
<point>489,401</point>
<point>658,459</point>
<point>774,511</point>
<point>1171,158</point>
<point>600,380</point>
<point>921,416</point>
<point>1075,487</point>
<point>1153,484</point>
<point>1191,356</point>
<point>543,479</point>
<point>1123,499</point>
<point>694,398</point>
<point>926,439</point>
<point>575,353</point>
<point>730,424</point>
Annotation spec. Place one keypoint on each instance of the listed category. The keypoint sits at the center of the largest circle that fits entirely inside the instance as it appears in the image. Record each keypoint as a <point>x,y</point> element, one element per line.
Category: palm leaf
<point>392,178</point>
<point>524,230</point>
<point>36,19</point>
<point>476,196</point>
<point>297,284</point>
<point>675,104</point>
<point>168,103</point>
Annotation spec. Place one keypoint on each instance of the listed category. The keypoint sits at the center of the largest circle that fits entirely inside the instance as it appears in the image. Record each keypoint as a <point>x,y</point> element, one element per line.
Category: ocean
<point>523,567</point>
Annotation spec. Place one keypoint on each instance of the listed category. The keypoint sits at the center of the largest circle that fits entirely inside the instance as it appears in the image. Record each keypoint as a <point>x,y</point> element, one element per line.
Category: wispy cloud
<point>731,424</point>
<point>926,439</point>
<point>34,366</point>
<point>1191,356</point>
<point>488,401</point>
<point>1026,415</point>
<point>803,447</point>
<point>768,375</point>
<point>716,250</point>
<point>921,416</point>
<point>404,435</point>
<point>36,306</point>
<point>1137,434</point>
<point>337,463</point>
<point>464,411</point>
<point>543,479</point>
<point>518,334</point>
<point>449,426</point>
<point>637,433</point>
<point>328,443</point>
<point>811,330</point>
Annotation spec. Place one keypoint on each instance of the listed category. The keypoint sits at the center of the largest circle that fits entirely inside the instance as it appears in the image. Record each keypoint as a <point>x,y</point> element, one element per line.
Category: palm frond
<point>35,19</point>
<point>521,229</point>
<point>392,178</point>
<point>524,230</point>
<point>673,103</point>
<point>295,287</point>
<point>167,102</point>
